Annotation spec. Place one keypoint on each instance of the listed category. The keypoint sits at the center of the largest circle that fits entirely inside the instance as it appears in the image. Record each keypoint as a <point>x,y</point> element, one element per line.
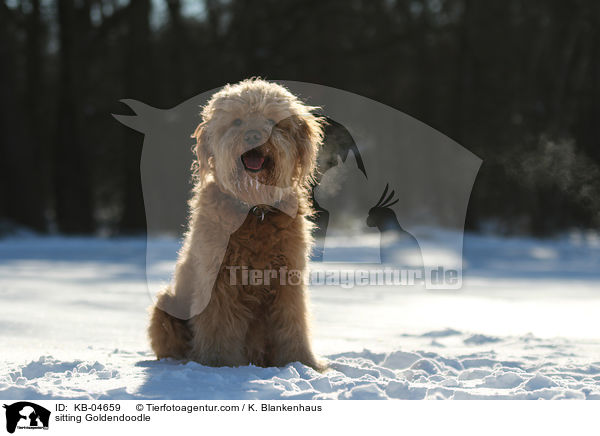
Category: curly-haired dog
<point>256,153</point>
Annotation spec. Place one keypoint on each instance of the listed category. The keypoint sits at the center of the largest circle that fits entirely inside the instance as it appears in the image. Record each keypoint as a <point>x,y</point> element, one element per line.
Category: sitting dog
<point>256,151</point>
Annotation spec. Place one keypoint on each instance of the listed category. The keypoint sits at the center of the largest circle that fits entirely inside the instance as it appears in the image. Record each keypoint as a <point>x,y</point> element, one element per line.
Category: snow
<point>73,313</point>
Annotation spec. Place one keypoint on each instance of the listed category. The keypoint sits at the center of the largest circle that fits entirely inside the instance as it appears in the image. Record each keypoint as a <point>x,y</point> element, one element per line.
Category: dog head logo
<point>258,142</point>
<point>26,415</point>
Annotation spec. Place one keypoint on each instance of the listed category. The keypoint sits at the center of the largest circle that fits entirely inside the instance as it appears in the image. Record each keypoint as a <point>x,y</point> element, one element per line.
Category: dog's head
<point>256,134</point>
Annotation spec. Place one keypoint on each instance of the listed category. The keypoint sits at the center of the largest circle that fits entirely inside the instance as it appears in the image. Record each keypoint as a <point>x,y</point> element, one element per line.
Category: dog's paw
<point>321,365</point>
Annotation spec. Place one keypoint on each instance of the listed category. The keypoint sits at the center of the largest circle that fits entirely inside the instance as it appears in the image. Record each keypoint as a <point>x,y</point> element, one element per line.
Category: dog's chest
<point>261,243</point>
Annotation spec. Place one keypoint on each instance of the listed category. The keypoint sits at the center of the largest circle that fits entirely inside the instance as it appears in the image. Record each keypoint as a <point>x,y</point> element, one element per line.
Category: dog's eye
<point>237,122</point>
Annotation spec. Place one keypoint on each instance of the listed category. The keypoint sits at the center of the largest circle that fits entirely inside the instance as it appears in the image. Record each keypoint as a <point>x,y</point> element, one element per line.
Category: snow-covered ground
<point>73,313</point>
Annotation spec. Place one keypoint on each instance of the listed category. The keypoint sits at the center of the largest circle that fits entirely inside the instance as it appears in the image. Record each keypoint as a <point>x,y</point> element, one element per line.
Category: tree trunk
<point>72,193</point>
<point>137,67</point>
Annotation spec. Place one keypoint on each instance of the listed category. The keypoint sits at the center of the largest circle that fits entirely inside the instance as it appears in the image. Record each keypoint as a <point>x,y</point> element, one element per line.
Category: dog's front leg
<point>217,329</point>
<point>218,336</point>
<point>216,324</point>
<point>290,333</point>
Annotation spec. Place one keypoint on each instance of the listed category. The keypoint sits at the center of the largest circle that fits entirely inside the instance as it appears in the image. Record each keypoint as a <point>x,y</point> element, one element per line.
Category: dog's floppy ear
<point>202,152</point>
<point>309,136</point>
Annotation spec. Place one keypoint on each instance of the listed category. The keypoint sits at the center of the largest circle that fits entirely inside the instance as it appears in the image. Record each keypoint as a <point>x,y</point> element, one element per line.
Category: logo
<point>390,197</point>
<point>26,415</point>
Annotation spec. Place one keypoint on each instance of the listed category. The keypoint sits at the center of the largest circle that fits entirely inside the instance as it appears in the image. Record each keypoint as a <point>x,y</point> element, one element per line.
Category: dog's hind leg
<point>169,336</point>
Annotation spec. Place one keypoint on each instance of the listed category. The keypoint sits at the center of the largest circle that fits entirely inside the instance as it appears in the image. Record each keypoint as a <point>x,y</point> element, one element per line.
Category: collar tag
<point>258,211</point>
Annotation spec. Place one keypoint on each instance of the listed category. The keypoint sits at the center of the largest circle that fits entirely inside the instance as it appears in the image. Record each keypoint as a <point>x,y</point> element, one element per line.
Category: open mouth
<point>253,160</point>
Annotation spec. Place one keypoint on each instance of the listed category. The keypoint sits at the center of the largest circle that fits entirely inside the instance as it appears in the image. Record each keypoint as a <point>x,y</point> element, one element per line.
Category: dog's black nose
<point>252,137</point>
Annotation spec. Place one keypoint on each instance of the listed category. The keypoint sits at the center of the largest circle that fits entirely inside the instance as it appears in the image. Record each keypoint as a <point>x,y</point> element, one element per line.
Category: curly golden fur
<point>256,146</point>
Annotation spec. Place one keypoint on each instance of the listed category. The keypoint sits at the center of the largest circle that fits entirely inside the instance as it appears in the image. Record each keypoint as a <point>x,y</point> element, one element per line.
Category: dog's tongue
<point>253,161</point>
